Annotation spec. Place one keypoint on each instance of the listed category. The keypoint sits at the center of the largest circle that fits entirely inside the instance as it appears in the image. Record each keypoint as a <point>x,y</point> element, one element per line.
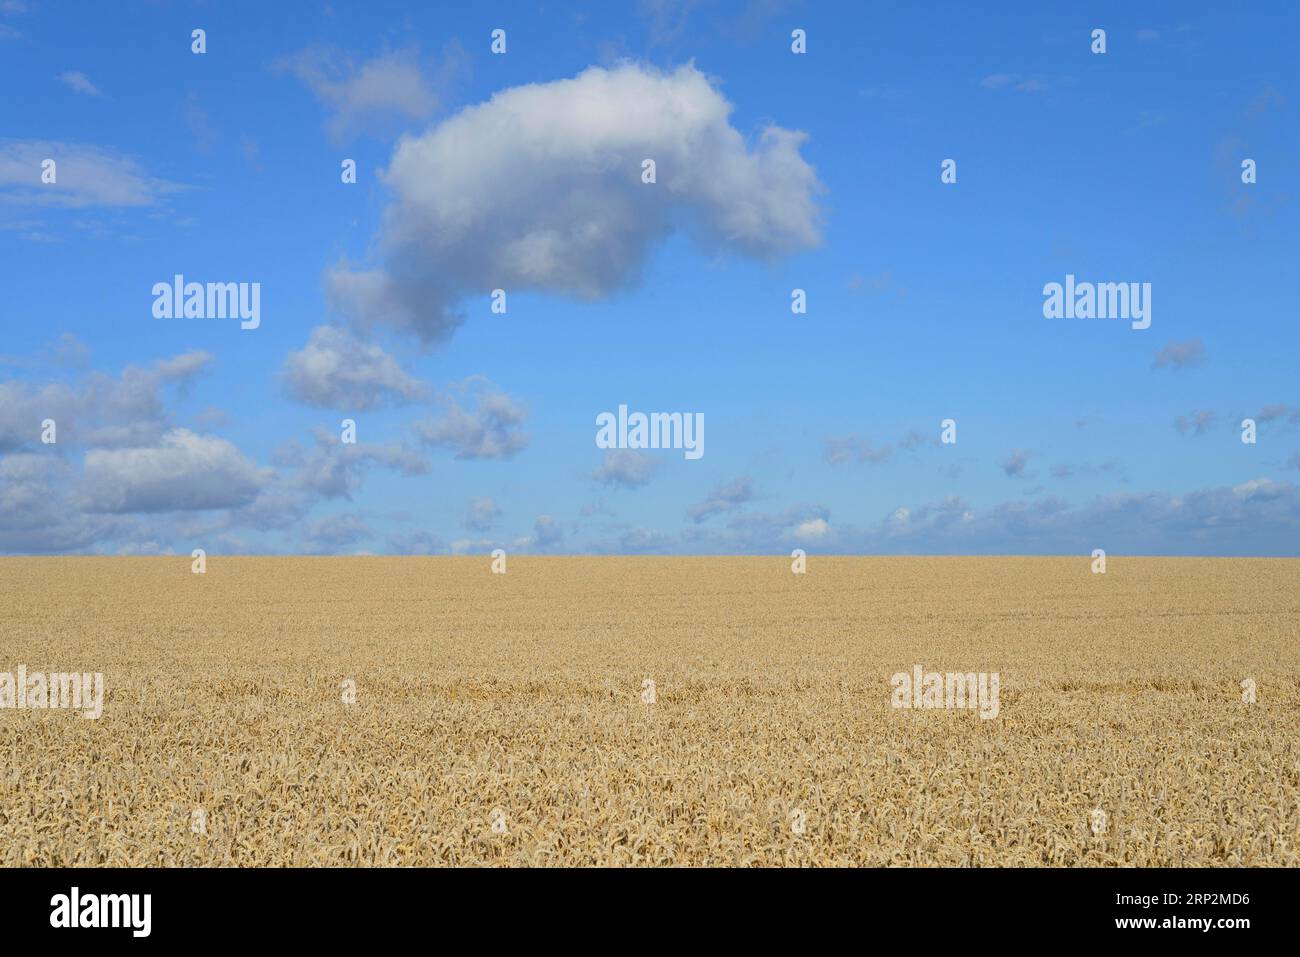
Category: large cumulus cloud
<point>183,471</point>
<point>541,188</point>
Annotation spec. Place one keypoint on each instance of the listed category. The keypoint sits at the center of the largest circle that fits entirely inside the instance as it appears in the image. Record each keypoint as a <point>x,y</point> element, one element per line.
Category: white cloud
<point>546,532</point>
<point>812,529</point>
<point>335,532</point>
<point>1180,355</point>
<point>86,176</point>
<point>184,471</point>
<point>1198,422</point>
<point>356,94</point>
<point>488,430</point>
<point>1278,411</point>
<point>414,543</point>
<point>724,498</point>
<point>336,371</point>
<point>1035,83</point>
<point>36,516</point>
<point>481,513</point>
<point>78,82</point>
<point>853,448</point>
<point>99,410</point>
<point>332,469</point>
<point>540,188</point>
<point>1014,465</point>
<point>627,468</point>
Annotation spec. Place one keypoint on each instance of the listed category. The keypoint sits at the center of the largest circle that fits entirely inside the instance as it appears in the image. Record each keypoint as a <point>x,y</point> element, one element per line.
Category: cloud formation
<point>358,94</point>
<point>1014,465</point>
<point>1180,355</point>
<point>625,468</point>
<point>98,410</point>
<point>335,532</point>
<point>488,429</point>
<point>1198,422</point>
<point>337,371</point>
<point>540,188</point>
<point>481,514</point>
<point>184,471</point>
<point>1278,412</point>
<point>725,498</point>
<point>86,176</point>
<point>78,82</point>
<point>840,450</point>
<point>333,469</point>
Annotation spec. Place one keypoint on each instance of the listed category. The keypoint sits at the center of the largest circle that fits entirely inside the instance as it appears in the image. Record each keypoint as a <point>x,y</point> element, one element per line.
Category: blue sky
<point>776,171</point>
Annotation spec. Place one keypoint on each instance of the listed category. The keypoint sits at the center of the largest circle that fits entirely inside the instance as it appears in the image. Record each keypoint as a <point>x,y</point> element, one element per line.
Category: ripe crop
<point>652,711</point>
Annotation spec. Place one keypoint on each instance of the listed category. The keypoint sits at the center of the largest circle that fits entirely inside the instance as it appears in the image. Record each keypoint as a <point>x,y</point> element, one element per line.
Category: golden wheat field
<point>500,720</point>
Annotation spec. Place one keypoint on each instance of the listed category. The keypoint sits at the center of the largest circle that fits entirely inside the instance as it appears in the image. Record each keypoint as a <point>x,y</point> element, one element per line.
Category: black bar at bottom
<point>366,906</point>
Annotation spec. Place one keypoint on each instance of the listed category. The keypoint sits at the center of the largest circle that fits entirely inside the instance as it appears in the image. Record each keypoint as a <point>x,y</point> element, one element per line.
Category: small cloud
<point>337,371</point>
<point>1015,465</point>
<point>250,150</point>
<point>211,418</point>
<point>880,283</point>
<point>626,468</point>
<point>358,94</point>
<point>184,471</point>
<point>1198,423</point>
<point>71,351</point>
<point>546,532</point>
<point>1019,83</point>
<point>198,122</point>
<point>665,19</point>
<point>887,94</point>
<point>724,498</point>
<point>1266,98</point>
<point>481,513</point>
<point>1278,412</point>
<point>333,469</point>
<point>335,532</point>
<point>998,81</point>
<point>852,448</point>
<point>87,176</point>
<point>488,430</point>
<point>414,543</point>
<point>78,82</point>
<point>1071,469</point>
<point>1180,355</point>
<point>811,529</point>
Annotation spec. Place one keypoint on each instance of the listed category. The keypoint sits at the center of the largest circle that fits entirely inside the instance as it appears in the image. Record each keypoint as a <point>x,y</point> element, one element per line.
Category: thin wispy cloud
<point>87,176</point>
<point>362,93</point>
<point>78,82</point>
<point>1180,355</point>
